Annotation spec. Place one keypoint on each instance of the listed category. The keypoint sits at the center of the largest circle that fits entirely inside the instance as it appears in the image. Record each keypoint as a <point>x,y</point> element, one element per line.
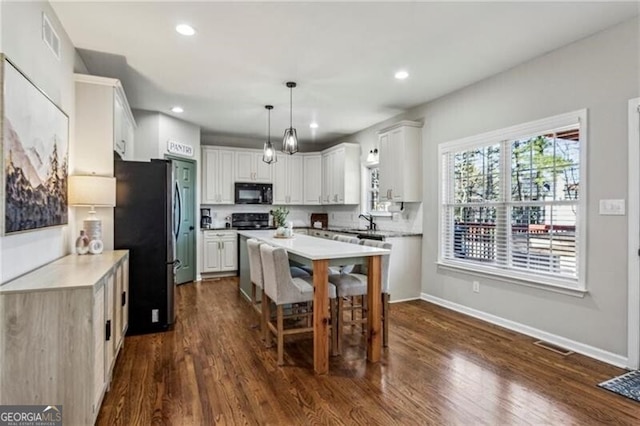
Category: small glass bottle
<point>82,243</point>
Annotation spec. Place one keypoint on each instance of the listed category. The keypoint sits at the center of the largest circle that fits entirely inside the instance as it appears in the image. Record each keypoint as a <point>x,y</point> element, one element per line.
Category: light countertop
<point>72,271</point>
<point>314,248</point>
<point>386,234</point>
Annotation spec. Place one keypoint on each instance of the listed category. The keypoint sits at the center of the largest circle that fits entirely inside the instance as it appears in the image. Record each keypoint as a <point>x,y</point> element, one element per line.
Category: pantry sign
<point>179,148</point>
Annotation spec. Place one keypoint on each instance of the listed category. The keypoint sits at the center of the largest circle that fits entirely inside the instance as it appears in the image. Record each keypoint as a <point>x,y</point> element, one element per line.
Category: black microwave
<point>253,193</point>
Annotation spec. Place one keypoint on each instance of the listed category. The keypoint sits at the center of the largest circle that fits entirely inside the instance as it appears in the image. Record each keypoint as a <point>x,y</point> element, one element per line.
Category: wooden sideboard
<point>61,327</point>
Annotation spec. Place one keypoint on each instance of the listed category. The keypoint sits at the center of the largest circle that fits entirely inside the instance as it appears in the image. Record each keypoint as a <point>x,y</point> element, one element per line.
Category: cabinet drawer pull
<point>124,298</point>
<point>107,330</point>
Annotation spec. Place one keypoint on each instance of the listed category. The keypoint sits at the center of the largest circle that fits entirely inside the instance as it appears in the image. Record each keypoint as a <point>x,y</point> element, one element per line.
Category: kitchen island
<point>320,254</point>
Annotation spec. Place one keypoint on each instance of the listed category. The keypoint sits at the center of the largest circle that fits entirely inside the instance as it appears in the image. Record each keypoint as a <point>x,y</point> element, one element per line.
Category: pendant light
<point>269,154</point>
<point>290,139</point>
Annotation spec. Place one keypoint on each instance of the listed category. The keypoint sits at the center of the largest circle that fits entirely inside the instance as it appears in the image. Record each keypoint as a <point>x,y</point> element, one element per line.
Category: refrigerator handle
<point>178,204</point>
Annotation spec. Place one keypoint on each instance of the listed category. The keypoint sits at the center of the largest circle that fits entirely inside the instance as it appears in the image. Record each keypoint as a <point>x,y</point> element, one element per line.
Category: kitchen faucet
<point>372,226</point>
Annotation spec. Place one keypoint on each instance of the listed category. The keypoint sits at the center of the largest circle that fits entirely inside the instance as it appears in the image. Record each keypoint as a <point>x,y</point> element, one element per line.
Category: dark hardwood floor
<point>441,367</point>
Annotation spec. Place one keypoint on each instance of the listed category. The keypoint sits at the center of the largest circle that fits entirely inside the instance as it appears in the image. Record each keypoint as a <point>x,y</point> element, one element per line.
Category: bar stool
<point>255,270</point>
<point>354,284</point>
<point>283,289</point>
<point>257,280</point>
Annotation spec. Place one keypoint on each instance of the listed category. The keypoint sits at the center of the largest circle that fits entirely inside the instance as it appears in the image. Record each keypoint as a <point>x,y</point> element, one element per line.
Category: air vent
<point>50,36</point>
<point>553,348</point>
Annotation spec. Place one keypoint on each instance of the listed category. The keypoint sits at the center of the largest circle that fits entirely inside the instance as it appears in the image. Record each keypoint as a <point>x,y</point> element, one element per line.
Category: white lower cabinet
<point>71,315</point>
<point>220,251</point>
<point>321,233</point>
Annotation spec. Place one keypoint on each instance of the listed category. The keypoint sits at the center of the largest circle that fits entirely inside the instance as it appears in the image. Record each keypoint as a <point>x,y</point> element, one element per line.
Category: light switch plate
<point>612,207</point>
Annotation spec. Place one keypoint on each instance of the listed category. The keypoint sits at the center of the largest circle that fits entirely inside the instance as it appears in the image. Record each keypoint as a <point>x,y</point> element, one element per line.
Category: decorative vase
<point>96,246</point>
<point>82,243</point>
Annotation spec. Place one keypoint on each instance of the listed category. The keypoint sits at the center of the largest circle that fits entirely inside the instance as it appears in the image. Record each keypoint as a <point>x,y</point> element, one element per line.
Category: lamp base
<point>93,228</point>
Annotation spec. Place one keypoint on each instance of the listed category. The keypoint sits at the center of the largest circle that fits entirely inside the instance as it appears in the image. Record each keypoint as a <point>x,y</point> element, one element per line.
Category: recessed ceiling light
<point>186,30</point>
<point>313,125</point>
<point>401,75</point>
<point>177,109</point>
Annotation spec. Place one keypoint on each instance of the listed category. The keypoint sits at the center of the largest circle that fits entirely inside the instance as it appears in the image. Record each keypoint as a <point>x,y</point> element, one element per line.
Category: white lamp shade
<point>92,191</point>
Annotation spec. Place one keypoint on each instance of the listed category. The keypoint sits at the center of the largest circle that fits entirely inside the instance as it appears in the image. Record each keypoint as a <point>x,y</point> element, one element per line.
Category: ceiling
<point>342,55</point>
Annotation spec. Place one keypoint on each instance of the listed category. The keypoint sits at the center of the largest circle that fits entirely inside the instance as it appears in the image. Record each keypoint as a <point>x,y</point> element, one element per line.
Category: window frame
<point>366,189</point>
<point>522,131</point>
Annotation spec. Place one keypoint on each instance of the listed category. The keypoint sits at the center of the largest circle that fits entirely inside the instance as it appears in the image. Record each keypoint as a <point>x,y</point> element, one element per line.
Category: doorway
<point>184,182</point>
<point>633,341</point>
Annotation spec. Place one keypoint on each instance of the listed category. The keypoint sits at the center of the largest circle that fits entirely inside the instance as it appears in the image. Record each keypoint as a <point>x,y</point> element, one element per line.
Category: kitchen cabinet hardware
<point>107,330</point>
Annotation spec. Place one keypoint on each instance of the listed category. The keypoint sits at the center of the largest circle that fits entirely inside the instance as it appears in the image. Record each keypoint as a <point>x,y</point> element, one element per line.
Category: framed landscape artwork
<point>35,140</point>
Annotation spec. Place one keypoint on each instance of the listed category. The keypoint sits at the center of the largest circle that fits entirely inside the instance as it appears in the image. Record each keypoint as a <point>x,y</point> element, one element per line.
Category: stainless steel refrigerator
<point>144,217</point>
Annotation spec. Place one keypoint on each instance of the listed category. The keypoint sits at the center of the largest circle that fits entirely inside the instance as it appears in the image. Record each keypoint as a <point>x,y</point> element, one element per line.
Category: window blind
<point>513,205</point>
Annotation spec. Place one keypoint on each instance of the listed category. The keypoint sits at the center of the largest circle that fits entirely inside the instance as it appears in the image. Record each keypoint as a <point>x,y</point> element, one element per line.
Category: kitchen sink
<point>371,236</point>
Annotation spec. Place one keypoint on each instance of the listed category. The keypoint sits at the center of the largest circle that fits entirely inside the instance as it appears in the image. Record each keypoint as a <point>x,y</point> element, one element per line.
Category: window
<point>373,204</point>
<point>512,201</point>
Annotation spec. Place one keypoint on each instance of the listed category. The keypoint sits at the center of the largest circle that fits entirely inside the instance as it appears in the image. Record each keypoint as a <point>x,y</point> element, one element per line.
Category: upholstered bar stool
<point>354,284</point>
<point>283,289</point>
<point>255,270</point>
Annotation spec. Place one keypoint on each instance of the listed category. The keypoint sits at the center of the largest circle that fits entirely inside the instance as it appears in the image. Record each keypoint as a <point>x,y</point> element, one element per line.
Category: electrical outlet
<point>476,287</point>
<point>155,315</point>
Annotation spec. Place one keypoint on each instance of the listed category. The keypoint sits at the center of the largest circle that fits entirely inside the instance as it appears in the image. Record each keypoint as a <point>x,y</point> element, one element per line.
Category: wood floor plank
<point>441,367</point>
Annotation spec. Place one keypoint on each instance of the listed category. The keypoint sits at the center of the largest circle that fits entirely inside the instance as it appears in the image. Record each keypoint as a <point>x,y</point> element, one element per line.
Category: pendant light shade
<point>269,154</point>
<point>290,139</point>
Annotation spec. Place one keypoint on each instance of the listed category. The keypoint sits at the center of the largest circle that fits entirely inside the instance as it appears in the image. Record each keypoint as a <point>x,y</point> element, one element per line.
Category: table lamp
<point>92,191</point>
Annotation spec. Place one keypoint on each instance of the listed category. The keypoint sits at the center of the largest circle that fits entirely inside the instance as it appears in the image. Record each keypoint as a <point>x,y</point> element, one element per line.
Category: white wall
<point>20,37</point>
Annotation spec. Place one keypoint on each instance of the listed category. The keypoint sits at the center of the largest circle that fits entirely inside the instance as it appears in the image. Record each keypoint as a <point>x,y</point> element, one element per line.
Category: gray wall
<point>21,41</point>
<point>600,73</point>
<point>147,134</point>
<point>153,131</point>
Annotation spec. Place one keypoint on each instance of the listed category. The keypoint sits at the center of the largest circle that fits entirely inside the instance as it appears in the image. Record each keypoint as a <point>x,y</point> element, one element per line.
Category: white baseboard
<point>581,348</point>
<point>408,299</point>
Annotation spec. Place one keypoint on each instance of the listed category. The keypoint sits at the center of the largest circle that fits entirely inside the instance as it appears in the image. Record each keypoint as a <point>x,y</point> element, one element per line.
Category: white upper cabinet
<point>217,176</point>
<point>312,178</point>
<point>123,127</point>
<point>401,162</point>
<point>288,179</point>
<point>250,167</point>
<point>104,124</point>
<point>341,174</point>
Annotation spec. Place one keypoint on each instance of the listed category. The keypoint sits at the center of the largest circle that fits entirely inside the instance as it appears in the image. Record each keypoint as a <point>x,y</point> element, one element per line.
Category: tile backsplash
<point>408,220</point>
<point>299,215</point>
